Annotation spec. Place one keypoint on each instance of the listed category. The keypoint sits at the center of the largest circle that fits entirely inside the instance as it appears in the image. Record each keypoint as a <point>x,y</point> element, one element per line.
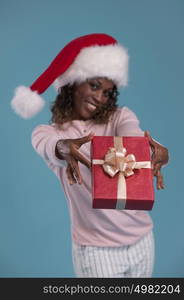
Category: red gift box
<point>121,173</point>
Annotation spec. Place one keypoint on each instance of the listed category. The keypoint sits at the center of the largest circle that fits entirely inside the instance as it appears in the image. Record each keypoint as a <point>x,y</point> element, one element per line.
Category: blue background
<point>35,238</point>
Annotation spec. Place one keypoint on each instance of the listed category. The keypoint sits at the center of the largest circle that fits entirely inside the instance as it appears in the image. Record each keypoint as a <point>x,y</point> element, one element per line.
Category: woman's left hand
<point>159,158</point>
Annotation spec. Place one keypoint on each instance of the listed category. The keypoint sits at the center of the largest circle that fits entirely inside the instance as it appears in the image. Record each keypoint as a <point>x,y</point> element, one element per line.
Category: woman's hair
<point>62,107</point>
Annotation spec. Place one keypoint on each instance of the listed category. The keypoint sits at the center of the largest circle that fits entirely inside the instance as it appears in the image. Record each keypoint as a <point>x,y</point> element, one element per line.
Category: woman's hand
<point>69,150</point>
<point>160,157</point>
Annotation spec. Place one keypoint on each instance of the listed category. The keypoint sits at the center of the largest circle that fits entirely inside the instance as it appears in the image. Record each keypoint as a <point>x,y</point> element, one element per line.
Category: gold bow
<point>116,161</point>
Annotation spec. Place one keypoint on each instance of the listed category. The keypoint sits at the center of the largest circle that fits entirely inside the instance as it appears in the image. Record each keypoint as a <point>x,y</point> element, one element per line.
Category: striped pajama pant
<point>135,260</point>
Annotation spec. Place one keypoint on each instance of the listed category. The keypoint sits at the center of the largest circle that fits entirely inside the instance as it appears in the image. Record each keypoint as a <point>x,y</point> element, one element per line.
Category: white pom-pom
<point>26,103</point>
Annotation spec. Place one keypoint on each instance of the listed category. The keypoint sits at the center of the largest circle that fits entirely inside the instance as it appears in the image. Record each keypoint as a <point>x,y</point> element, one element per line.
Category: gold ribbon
<point>116,161</point>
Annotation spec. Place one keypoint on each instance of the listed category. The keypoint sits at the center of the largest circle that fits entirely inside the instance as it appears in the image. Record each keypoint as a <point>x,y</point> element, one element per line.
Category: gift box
<point>121,173</point>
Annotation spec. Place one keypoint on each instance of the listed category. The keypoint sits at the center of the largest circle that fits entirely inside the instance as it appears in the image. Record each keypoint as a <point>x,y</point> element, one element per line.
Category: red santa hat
<point>92,55</point>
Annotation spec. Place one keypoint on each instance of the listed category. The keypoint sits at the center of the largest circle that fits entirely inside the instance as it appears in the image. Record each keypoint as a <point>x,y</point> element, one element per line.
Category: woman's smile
<point>90,106</point>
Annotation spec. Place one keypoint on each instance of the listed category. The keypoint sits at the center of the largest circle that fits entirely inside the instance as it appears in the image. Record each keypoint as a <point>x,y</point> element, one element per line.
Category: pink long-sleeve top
<point>95,227</point>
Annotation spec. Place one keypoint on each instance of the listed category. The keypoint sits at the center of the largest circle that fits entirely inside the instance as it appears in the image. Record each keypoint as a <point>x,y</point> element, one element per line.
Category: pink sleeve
<point>44,139</point>
<point>128,124</point>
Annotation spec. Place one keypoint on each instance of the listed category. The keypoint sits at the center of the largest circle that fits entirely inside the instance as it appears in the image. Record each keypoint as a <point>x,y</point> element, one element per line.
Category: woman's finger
<point>156,168</point>
<point>77,174</point>
<point>78,156</point>
<point>75,170</point>
<point>70,175</point>
<point>160,181</point>
<point>84,139</point>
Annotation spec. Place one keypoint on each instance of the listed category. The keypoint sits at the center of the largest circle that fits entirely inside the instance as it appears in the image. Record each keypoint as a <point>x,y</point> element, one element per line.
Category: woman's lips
<point>90,106</point>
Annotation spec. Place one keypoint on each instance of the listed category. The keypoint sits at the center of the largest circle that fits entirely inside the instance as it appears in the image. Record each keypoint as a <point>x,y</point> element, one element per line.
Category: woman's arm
<point>44,140</point>
<point>128,125</point>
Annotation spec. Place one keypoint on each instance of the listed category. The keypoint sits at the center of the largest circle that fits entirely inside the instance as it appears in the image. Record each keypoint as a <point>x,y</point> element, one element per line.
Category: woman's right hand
<point>69,150</point>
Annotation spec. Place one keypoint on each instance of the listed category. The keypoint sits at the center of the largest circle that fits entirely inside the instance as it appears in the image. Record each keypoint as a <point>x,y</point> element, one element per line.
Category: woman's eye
<point>108,94</point>
<point>93,85</point>
<point>111,94</point>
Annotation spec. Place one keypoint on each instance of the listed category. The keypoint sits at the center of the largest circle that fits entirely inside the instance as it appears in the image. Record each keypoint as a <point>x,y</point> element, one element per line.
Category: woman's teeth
<point>91,107</point>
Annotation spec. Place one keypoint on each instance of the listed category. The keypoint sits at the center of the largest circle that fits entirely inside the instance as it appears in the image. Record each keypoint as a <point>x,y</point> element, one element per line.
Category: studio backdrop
<point>35,238</point>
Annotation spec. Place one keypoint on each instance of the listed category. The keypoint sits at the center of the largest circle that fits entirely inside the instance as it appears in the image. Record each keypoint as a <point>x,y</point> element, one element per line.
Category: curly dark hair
<point>61,108</point>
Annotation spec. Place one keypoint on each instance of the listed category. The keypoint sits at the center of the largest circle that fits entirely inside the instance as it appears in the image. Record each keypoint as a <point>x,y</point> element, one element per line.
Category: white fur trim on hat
<point>26,103</point>
<point>97,61</point>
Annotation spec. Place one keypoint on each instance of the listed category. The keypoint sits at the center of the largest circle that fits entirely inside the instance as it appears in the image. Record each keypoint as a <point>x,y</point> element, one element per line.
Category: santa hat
<point>93,55</point>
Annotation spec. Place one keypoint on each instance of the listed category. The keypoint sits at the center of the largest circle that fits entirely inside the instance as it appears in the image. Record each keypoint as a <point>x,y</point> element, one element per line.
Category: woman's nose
<point>98,96</point>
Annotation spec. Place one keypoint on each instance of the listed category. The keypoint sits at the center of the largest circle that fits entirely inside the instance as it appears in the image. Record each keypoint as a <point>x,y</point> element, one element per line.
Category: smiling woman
<point>95,98</point>
<point>87,73</point>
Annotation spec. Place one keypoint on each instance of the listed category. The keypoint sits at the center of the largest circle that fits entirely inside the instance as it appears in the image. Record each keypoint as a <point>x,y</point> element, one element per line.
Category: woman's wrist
<point>61,149</point>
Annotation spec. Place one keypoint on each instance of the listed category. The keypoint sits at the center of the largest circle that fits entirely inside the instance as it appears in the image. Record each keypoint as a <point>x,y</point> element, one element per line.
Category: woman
<point>88,72</point>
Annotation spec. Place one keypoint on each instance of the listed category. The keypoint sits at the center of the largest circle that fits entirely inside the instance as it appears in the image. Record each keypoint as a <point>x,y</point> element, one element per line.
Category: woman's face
<point>89,96</point>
